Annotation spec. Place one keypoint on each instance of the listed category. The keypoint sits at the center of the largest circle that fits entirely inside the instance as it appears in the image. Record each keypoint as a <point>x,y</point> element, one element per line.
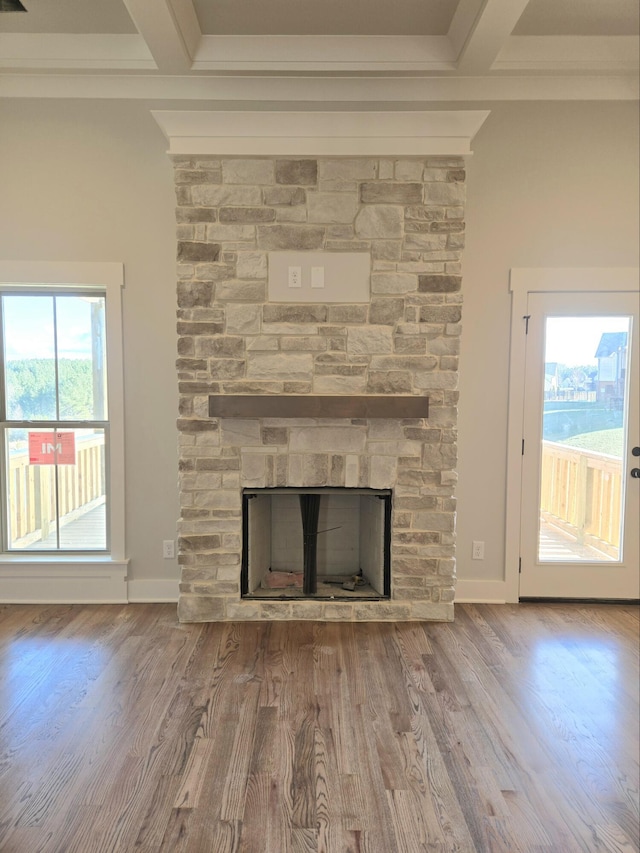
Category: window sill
<point>34,558</point>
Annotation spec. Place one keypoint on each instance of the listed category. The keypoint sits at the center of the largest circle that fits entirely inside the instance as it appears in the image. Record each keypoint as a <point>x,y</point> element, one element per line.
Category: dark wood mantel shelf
<point>310,406</point>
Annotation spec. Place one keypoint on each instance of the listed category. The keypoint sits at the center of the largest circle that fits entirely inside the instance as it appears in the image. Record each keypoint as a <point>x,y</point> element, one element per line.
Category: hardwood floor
<point>513,729</point>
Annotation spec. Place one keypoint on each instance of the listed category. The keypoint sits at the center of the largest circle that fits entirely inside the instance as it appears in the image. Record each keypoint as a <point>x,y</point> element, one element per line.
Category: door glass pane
<point>583,439</point>
<point>56,489</point>
<point>29,353</point>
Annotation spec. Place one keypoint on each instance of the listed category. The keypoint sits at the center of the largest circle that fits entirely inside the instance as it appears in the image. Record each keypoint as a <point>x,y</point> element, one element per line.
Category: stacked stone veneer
<point>409,214</point>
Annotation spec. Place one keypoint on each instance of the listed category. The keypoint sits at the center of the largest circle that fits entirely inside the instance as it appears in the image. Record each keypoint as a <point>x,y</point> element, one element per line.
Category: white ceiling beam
<point>39,51</point>
<point>188,24</point>
<point>170,30</point>
<point>605,54</point>
<point>487,31</point>
<point>463,22</point>
<point>324,53</point>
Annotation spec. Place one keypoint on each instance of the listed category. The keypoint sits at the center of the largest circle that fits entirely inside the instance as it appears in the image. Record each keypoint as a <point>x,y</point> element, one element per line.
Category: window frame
<point>108,280</point>
<point>56,424</point>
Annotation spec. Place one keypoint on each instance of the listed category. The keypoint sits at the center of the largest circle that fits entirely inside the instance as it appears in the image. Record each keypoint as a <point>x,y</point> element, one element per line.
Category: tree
<point>31,389</point>
<point>579,376</point>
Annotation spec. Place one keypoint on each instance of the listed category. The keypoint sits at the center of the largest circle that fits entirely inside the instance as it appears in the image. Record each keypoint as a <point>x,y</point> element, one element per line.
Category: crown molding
<point>321,133</point>
<point>311,91</point>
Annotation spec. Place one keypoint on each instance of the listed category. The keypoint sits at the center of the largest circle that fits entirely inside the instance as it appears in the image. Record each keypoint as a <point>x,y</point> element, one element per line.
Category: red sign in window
<point>52,448</point>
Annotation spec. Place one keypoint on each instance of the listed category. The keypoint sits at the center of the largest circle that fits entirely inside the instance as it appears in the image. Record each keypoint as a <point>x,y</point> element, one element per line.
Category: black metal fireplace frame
<point>309,591</point>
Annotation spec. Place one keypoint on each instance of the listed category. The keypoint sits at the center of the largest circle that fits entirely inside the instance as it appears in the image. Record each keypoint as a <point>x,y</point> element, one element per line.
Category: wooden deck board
<point>513,729</point>
<point>557,545</point>
<point>86,531</point>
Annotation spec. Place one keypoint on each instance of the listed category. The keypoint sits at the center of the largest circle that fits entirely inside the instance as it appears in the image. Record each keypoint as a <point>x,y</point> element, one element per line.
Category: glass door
<point>580,501</point>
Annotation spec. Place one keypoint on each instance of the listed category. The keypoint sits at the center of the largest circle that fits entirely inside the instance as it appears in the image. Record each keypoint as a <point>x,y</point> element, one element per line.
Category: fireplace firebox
<point>326,543</point>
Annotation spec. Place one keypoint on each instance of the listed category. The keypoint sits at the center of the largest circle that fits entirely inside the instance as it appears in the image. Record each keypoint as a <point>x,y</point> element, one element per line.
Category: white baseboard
<point>105,582</point>
<point>481,592</point>
<point>153,590</point>
<point>77,582</point>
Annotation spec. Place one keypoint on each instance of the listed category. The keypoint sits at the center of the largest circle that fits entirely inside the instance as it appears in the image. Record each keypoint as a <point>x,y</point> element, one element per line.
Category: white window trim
<point>522,282</point>
<point>66,577</point>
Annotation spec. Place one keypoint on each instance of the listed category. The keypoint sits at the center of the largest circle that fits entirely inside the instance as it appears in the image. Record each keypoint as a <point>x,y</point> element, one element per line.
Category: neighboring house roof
<point>611,342</point>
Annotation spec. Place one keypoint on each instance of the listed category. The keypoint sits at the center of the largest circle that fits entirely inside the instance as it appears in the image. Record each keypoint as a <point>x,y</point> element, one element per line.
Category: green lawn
<point>602,441</point>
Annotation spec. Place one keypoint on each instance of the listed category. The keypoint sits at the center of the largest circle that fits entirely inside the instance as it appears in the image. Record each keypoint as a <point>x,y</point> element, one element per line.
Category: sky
<point>28,324</point>
<point>573,341</point>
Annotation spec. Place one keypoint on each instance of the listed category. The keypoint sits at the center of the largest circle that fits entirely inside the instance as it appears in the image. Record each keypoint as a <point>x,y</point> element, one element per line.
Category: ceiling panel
<point>579,18</point>
<point>325,17</point>
<point>104,17</point>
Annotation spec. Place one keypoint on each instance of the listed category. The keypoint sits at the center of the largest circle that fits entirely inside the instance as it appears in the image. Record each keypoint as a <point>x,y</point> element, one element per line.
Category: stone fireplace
<point>399,346</point>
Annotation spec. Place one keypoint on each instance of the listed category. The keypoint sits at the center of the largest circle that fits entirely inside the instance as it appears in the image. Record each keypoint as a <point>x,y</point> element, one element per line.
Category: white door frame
<point>523,281</point>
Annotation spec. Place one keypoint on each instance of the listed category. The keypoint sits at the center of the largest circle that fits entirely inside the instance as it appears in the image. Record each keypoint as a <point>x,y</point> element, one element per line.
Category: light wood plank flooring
<point>513,729</point>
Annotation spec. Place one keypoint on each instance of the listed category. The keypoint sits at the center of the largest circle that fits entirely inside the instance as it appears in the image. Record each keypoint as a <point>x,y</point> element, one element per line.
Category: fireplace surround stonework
<point>408,213</point>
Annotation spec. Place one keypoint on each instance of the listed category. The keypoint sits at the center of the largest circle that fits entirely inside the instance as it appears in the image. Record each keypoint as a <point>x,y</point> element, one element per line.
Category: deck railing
<point>32,496</point>
<point>581,492</point>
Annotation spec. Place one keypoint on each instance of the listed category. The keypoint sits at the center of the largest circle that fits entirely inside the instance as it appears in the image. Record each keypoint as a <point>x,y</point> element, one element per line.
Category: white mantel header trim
<point>339,134</point>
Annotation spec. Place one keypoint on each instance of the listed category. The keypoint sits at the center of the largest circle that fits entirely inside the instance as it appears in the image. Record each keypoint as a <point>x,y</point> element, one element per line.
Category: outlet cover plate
<point>346,278</point>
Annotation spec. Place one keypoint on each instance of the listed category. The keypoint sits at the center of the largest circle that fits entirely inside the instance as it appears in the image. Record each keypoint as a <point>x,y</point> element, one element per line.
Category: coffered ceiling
<point>330,51</point>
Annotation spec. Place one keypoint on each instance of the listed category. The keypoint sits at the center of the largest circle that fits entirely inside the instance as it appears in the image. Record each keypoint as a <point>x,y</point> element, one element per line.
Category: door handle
<point>635,451</point>
<point>635,473</point>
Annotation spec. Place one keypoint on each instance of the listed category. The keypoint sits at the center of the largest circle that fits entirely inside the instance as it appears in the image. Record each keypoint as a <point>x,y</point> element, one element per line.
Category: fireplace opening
<point>326,543</point>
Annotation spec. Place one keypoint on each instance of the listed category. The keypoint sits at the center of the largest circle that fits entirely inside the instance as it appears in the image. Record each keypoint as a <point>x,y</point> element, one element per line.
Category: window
<point>55,428</point>
<point>61,424</point>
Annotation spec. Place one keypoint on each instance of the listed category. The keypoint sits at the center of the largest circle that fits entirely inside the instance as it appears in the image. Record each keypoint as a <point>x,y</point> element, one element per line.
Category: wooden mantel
<point>318,406</point>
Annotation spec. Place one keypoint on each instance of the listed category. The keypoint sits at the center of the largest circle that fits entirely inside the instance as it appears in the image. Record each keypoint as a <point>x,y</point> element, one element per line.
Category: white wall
<point>91,181</point>
<point>550,184</point>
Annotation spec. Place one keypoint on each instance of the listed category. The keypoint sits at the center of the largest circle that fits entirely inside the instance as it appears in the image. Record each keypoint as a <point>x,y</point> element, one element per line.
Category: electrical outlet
<point>477,550</point>
<point>168,549</point>
<point>295,276</point>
